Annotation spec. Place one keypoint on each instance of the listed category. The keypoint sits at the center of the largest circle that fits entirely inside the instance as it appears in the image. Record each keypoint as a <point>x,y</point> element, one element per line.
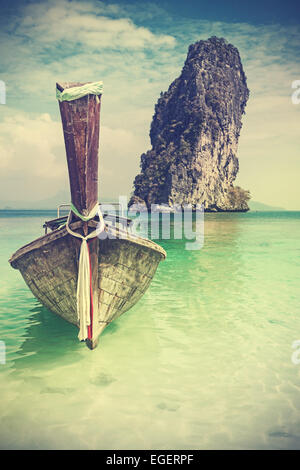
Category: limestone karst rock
<point>194,133</point>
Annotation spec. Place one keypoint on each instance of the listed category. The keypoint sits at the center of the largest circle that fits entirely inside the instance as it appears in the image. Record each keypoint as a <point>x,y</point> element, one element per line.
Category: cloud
<point>269,151</point>
<point>118,158</point>
<point>33,159</point>
<point>54,41</point>
<point>63,21</point>
<point>32,156</point>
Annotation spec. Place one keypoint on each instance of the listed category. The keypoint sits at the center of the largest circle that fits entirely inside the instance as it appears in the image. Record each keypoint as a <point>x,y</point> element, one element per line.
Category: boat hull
<point>126,266</point>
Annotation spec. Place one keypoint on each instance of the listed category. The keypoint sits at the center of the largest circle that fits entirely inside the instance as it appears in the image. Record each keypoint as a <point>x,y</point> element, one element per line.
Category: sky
<point>137,49</point>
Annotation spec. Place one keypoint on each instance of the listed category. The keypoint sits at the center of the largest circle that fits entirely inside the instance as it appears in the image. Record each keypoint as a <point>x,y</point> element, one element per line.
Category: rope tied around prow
<point>84,281</point>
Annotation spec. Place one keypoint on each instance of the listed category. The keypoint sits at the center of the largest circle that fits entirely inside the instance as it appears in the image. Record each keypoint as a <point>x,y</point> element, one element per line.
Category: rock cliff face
<point>194,134</point>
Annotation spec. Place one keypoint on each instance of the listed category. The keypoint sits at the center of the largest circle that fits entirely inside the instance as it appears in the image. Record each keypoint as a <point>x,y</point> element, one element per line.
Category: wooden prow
<point>80,120</point>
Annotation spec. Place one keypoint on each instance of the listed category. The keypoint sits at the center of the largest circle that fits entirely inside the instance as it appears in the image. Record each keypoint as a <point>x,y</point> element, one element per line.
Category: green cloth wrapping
<point>90,216</point>
<point>70,94</point>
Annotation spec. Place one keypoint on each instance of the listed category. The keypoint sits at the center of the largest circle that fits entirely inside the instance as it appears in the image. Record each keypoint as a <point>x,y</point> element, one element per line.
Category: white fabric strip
<point>83,281</point>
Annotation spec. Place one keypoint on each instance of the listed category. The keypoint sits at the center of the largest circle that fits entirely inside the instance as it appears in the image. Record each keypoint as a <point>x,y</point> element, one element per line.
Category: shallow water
<point>203,361</point>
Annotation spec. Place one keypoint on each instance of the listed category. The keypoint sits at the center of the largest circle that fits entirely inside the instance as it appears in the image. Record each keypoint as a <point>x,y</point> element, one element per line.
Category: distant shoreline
<point>54,211</point>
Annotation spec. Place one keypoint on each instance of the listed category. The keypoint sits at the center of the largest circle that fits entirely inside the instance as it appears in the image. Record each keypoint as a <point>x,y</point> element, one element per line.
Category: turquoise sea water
<point>203,361</point>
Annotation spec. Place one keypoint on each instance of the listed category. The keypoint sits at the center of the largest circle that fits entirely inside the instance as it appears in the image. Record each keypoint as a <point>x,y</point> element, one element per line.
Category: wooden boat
<point>121,264</point>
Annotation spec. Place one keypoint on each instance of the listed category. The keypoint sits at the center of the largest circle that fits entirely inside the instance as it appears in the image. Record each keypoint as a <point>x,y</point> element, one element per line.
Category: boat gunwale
<point>62,232</point>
